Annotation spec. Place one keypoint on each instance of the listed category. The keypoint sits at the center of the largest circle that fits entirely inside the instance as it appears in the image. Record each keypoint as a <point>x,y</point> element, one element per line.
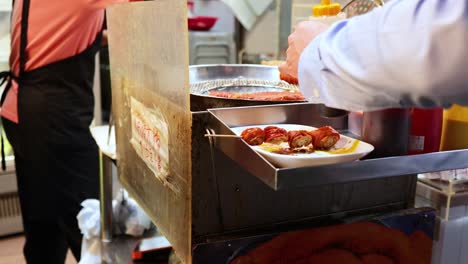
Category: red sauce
<point>261,96</point>
<point>293,151</point>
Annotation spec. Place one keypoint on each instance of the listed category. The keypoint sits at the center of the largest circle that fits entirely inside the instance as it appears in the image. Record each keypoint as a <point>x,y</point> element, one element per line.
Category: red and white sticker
<point>150,140</point>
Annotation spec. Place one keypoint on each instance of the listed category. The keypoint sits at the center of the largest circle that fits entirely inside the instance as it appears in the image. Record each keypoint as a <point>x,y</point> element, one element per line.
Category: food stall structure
<point>200,189</point>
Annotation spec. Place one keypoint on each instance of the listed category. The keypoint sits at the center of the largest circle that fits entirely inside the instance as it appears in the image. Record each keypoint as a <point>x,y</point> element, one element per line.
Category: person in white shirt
<point>406,53</point>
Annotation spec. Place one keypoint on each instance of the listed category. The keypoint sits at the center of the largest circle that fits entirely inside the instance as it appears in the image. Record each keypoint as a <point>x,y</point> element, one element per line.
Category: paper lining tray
<point>309,114</point>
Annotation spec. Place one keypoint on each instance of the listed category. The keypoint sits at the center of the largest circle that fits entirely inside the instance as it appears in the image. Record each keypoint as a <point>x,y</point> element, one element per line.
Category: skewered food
<point>278,140</point>
<point>261,96</point>
<point>299,138</point>
<point>253,136</point>
<point>324,137</point>
<point>275,135</point>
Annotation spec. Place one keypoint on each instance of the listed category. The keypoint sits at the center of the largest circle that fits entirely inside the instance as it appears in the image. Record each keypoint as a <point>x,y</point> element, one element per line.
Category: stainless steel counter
<point>309,114</point>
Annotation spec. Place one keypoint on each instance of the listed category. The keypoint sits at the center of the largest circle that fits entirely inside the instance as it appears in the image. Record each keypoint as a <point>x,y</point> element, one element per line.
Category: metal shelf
<point>309,114</point>
<point>371,169</point>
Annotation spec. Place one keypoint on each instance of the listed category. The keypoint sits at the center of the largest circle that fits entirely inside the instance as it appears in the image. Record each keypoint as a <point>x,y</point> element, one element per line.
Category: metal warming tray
<point>213,200</point>
<point>202,73</point>
<point>309,114</point>
<point>236,78</point>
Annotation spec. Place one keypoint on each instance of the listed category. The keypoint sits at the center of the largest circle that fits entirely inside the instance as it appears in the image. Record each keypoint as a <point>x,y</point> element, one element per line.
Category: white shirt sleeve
<point>407,53</point>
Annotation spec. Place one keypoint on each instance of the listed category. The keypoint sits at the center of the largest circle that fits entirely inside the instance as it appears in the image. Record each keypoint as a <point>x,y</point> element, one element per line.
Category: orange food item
<point>376,259</point>
<point>299,138</point>
<point>361,242</point>
<point>422,246</point>
<point>324,137</point>
<point>289,79</point>
<point>253,136</point>
<point>275,135</point>
<point>332,256</point>
<point>321,138</point>
<point>261,96</point>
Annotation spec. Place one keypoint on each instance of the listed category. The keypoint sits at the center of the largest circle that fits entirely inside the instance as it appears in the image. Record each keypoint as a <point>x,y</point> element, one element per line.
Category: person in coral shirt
<point>47,108</point>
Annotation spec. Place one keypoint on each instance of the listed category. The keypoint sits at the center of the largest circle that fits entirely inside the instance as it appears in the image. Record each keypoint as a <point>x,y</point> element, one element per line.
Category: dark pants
<point>57,167</point>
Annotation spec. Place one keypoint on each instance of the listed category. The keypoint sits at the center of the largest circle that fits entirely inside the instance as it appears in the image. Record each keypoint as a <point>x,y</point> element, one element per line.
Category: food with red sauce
<point>324,137</point>
<point>299,138</point>
<point>253,136</point>
<point>299,141</point>
<point>275,135</point>
<point>289,79</point>
<point>261,96</point>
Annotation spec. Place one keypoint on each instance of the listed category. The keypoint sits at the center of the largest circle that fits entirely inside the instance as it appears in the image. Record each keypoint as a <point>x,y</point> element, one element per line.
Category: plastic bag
<point>128,219</point>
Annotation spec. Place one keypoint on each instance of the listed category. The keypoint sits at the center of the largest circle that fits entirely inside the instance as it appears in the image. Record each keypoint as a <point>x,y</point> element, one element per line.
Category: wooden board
<point>148,47</point>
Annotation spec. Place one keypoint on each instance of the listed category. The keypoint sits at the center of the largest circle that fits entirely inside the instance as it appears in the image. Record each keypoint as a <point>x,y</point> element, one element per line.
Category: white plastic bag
<point>128,219</point>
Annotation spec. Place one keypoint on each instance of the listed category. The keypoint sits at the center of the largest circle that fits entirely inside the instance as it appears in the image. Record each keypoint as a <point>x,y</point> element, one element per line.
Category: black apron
<point>56,157</point>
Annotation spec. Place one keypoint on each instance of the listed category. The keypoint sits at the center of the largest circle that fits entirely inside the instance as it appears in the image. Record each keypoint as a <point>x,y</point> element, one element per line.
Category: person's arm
<point>407,53</point>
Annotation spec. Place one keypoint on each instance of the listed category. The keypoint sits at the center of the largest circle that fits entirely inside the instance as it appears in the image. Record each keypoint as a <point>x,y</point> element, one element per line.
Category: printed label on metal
<point>150,140</point>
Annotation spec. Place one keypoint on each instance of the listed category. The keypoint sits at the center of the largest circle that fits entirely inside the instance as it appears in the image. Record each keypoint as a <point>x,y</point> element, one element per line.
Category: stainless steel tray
<point>309,114</point>
<point>202,73</point>
<point>240,78</point>
<point>236,78</point>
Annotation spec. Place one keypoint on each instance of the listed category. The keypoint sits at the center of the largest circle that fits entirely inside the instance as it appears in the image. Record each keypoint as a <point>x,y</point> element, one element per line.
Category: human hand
<point>305,32</point>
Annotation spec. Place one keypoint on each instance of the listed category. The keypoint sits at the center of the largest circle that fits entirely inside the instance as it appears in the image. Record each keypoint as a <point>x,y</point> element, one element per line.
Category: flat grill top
<point>236,79</point>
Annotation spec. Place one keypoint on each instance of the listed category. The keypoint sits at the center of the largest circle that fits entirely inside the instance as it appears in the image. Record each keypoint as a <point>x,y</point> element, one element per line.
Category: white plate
<point>351,149</point>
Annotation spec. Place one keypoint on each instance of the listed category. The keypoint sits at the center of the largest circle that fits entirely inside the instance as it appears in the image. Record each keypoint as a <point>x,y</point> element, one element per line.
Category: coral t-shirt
<point>57,30</point>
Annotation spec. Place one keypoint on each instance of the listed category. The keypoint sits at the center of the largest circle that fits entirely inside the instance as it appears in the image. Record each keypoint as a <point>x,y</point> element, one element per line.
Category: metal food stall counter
<point>197,192</point>
<point>307,114</point>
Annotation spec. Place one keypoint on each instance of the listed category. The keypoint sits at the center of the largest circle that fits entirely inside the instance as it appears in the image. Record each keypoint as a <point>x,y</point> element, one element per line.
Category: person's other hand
<point>305,32</point>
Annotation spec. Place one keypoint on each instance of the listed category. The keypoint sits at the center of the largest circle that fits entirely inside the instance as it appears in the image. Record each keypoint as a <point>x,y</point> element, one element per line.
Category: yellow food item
<point>455,128</point>
<point>335,9</point>
<point>351,149</point>
<point>320,10</point>
<point>326,8</point>
<point>271,147</point>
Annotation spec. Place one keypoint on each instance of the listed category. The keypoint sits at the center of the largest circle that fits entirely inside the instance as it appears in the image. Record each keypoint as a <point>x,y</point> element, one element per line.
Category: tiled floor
<point>11,251</point>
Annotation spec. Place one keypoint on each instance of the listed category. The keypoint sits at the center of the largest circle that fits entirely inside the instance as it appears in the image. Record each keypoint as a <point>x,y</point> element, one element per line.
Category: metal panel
<point>372,169</point>
<point>206,207</point>
<point>229,201</point>
<point>148,46</point>
<point>248,203</point>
